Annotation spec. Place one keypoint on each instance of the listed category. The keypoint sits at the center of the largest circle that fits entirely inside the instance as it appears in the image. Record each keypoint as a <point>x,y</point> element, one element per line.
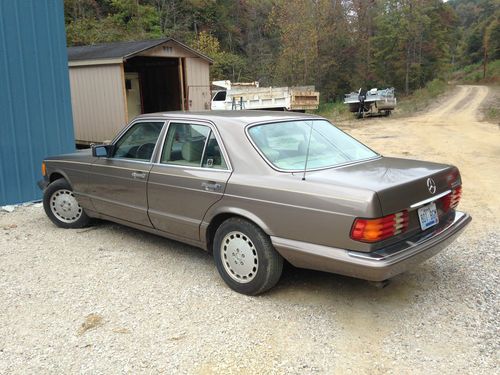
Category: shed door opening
<point>159,83</point>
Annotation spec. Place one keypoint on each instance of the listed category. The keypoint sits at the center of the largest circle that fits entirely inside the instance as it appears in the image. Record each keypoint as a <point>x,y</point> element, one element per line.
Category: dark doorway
<point>159,82</point>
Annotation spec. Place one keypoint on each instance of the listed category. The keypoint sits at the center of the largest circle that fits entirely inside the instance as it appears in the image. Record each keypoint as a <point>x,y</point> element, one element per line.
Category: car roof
<point>242,117</point>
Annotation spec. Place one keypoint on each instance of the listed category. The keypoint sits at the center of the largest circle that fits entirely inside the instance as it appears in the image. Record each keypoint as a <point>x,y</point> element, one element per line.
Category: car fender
<point>59,172</point>
<point>221,209</point>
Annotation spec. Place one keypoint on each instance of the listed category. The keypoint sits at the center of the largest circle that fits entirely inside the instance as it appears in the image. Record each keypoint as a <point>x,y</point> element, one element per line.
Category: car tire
<point>245,257</point>
<point>61,206</point>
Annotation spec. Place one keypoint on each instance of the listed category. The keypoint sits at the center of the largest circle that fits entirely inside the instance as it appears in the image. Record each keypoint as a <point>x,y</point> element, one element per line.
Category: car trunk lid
<point>399,183</point>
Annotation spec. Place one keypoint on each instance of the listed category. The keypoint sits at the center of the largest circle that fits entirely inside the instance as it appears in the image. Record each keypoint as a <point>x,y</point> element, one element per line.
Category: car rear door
<point>190,176</point>
<point>118,183</point>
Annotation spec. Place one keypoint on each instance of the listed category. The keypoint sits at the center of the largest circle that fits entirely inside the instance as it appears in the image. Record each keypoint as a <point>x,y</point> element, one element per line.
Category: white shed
<point>114,82</point>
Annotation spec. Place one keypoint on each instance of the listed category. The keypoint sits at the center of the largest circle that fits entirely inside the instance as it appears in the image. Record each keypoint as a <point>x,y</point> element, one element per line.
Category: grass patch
<point>474,73</point>
<point>492,115</point>
<point>334,111</point>
<point>421,98</point>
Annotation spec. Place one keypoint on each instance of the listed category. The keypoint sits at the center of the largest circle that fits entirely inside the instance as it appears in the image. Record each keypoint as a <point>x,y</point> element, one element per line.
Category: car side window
<point>192,145</point>
<point>213,156</point>
<point>138,142</point>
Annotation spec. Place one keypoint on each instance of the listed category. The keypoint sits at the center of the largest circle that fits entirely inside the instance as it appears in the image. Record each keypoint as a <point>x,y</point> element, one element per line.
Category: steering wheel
<point>144,151</point>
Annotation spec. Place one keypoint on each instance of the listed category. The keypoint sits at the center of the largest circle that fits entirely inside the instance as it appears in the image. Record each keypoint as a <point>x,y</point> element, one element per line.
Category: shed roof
<point>122,50</point>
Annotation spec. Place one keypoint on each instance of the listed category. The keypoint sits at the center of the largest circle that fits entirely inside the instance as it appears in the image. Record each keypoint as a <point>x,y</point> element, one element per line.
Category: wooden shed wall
<point>97,98</point>
<point>198,83</point>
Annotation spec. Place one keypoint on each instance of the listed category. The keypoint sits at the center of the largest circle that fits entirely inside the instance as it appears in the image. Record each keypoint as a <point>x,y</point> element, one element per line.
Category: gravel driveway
<point>112,300</point>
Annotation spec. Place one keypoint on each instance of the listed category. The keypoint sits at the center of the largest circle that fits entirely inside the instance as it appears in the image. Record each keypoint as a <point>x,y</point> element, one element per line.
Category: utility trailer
<point>373,102</point>
<point>236,96</point>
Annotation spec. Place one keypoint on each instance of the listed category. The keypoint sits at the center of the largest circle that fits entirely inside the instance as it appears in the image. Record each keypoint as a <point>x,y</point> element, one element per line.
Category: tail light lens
<point>451,200</point>
<point>373,230</point>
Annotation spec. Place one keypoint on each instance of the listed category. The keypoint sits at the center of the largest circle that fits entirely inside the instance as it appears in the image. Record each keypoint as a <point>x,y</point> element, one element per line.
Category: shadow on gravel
<point>306,286</point>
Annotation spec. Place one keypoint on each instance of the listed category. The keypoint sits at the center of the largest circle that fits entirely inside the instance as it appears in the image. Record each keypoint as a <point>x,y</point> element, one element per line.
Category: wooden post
<point>124,91</point>
<point>181,81</point>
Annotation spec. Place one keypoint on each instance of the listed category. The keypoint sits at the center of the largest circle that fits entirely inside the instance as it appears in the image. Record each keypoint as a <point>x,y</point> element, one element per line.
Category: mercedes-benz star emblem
<point>431,185</point>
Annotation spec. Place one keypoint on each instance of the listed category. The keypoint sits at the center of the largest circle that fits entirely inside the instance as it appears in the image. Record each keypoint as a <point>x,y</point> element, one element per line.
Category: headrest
<point>192,150</point>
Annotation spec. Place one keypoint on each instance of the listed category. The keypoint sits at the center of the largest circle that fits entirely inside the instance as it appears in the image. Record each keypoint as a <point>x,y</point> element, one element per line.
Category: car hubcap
<point>239,257</point>
<point>65,207</point>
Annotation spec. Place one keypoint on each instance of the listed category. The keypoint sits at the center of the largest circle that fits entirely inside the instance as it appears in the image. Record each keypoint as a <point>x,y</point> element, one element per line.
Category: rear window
<point>291,145</point>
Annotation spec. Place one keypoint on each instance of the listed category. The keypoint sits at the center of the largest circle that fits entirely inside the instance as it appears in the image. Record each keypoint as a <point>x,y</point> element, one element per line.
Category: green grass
<point>334,111</point>
<point>492,115</point>
<point>421,98</point>
<point>474,73</point>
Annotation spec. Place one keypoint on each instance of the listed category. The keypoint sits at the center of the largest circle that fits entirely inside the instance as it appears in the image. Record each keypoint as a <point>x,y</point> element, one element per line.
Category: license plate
<point>428,216</point>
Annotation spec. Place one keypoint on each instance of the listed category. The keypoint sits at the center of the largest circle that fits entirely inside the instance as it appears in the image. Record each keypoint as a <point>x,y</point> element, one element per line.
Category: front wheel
<point>61,206</point>
<point>245,257</point>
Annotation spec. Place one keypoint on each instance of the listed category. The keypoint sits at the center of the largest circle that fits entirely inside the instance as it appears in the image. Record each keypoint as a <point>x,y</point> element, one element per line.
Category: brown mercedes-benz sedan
<point>255,188</point>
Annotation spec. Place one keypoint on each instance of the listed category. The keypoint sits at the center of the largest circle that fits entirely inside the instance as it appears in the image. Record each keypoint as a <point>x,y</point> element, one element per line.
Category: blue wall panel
<point>35,102</point>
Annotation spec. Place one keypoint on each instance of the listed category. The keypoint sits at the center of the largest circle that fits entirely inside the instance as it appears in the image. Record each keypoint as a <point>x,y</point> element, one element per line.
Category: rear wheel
<point>62,207</point>
<point>245,257</point>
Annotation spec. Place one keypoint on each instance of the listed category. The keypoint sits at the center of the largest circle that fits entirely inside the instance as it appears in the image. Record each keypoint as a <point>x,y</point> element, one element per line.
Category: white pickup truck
<point>236,96</point>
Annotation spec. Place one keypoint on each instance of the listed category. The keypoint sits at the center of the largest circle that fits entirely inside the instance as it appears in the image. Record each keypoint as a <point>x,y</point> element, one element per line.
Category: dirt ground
<point>450,132</point>
<point>112,300</point>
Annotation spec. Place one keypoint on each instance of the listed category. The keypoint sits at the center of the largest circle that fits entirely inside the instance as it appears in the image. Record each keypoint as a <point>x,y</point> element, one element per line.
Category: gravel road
<point>113,300</point>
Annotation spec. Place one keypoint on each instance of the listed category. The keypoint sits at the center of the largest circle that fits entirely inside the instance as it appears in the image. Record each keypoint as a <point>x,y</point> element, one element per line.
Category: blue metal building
<point>35,102</point>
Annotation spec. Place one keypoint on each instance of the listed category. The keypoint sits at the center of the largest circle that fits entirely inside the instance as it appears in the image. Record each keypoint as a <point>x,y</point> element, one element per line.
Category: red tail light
<point>451,200</point>
<point>373,230</point>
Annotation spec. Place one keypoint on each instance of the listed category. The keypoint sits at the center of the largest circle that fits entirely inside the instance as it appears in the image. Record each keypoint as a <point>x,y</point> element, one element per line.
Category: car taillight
<point>453,179</point>
<point>451,200</point>
<point>373,230</point>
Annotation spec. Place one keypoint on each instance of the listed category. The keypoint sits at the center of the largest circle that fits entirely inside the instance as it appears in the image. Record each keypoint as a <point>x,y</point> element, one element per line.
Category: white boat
<point>371,102</point>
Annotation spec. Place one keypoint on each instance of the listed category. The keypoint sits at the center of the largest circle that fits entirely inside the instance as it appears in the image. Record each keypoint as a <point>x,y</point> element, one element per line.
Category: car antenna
<point>307,152</point>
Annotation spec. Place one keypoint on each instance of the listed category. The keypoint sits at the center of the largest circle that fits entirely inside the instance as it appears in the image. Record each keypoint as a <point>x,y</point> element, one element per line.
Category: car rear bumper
<point>378,265</point>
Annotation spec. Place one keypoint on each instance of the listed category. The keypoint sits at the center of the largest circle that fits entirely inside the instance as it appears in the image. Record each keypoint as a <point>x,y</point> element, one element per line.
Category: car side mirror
<point>100,151</point>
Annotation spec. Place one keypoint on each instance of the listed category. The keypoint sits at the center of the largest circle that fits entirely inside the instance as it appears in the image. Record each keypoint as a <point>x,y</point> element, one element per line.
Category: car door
<point>190,176</point>
<point>219,100</point>
<point>118,183</point>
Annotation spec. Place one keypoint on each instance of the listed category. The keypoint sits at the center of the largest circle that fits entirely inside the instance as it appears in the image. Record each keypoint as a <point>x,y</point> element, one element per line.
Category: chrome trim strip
<point>187,167</point>
<point>205,147</point>
<point>125,160</point>
<point>65,161</point>
<point>431,199</point>
<point>162,144</point>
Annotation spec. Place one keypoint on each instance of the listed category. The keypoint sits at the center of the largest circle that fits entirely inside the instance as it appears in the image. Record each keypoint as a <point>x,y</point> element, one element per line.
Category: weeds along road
<point>109,299</point>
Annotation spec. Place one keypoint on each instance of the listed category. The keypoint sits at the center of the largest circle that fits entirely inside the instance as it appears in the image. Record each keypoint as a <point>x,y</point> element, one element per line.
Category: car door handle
<point>211,186</point>
<point>139,175</point>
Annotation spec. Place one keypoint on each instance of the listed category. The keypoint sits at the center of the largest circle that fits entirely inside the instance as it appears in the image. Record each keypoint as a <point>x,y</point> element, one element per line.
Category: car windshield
<point>287,145</point>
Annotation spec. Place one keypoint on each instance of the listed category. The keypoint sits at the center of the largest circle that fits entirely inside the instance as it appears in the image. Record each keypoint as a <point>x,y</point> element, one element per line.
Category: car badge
<point>431,185</point>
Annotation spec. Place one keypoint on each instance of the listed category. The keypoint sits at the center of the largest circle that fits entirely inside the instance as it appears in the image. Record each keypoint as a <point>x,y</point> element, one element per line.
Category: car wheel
<point>61,206</point>
<point>245,257</point>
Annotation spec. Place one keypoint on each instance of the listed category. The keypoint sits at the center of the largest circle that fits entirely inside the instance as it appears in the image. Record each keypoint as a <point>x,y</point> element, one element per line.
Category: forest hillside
<point>337,45</point>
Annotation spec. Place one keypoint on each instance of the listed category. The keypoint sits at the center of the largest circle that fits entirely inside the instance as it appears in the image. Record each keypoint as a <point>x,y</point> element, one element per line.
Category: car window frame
<point>212,128</point>
<point>274,167</point>
<point>125,130</point>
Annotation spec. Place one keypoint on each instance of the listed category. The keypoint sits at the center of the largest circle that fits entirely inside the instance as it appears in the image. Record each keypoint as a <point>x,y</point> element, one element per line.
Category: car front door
<point>118,183</point>
<point>190,176</point>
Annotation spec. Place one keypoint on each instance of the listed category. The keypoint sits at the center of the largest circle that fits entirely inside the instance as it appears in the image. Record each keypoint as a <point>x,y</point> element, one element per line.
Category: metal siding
<point>198,83</point>
<point>97,101</point>
<point>35,106</point>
